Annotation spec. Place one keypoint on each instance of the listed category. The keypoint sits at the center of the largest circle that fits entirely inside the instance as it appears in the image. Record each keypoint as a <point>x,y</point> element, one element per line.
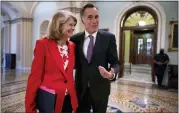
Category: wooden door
<point>142,47</point>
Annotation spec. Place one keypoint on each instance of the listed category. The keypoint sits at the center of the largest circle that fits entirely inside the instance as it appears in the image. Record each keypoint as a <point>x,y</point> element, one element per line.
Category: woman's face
<point>68,28</point>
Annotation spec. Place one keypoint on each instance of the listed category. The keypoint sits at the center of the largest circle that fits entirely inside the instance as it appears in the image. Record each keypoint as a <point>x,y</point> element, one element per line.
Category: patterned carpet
<point>123,98</point>
<point>118,103</point>
<point>138,105</point>
<point>113,109</point>
<point>15,103</point>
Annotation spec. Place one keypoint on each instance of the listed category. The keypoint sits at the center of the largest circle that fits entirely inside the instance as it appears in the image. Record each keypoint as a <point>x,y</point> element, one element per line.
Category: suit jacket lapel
<point>97,43</point>
<point>56,55</point>
<point>95,48</point>
<point>81,46</point>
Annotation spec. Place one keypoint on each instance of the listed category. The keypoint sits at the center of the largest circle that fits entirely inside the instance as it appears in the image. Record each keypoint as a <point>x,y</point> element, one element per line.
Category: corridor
<point>125,96</point>
<point>141,29</point>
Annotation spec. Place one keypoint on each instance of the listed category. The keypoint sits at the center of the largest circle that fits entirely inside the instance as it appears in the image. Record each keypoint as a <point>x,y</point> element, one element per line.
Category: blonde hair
<point>55,27</point>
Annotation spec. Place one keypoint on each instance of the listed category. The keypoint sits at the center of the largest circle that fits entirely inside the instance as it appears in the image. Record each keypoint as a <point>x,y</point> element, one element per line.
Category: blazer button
<point>65,81</point>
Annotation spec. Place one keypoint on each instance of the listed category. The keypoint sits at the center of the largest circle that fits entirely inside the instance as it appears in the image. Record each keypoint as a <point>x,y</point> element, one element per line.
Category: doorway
<point>142,47</point>
<point>138,43</point>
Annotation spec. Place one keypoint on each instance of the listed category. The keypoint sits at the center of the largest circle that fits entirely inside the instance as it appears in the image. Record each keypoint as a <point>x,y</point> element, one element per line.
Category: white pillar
<point>7,40</point>
<point>7,36</point>
<point>25,43</point>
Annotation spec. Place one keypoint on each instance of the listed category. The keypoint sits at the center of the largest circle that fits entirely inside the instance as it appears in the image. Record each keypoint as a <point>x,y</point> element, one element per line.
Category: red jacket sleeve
<point>35,77</point>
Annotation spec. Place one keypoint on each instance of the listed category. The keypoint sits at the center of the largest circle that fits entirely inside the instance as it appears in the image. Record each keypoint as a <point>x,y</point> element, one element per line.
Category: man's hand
<point>105,74</point>
<point>159,63</point>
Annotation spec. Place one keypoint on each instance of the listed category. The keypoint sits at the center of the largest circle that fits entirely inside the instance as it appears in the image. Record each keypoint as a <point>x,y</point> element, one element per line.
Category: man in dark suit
<point>160,60</point>
<point>95,49</point>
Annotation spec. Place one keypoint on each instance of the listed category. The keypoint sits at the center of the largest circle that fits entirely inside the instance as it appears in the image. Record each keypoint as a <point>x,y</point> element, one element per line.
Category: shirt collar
<point>87,34</point>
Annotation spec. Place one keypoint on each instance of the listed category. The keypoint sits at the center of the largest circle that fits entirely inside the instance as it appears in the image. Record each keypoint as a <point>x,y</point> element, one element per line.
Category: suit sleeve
<point>112,56</point>
<point>72,39</point>
<point>167,58</point>
<point>35,77</point>
<point>74,56</point>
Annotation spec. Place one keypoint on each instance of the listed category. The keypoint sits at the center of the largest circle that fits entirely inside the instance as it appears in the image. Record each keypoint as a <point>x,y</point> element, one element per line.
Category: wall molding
<point>17,20</point>
<point>73,9</point>
<point>23,68</point>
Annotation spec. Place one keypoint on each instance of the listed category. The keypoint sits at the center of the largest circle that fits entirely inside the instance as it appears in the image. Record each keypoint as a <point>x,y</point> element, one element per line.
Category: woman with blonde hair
<point>50,83</point>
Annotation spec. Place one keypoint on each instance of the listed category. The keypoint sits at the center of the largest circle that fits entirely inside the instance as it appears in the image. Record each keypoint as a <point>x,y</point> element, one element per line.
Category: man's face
<point>90,20</point>
<point>161,51</point>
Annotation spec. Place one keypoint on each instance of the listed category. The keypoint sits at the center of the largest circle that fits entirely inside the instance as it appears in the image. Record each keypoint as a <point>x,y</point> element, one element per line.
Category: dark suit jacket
<point>104,52</point>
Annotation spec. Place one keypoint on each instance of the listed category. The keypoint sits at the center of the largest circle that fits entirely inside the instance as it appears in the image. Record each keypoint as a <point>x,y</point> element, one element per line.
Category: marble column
<point>25,43</point>
<point>24,50</point>
<point>7,36</point>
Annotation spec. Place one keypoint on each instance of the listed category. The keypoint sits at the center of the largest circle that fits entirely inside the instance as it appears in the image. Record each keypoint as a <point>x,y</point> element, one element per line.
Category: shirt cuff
<point>112,77</point>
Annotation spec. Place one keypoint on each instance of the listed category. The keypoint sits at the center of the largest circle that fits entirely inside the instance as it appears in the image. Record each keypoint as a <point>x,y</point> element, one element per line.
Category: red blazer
<point>47,70</point>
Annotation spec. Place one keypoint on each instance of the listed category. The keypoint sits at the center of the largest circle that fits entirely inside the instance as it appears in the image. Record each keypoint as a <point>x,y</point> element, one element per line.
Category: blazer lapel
<point>71,56</point>
<point>97,43</point>
<point>56,55</point>
<point>81,47</point>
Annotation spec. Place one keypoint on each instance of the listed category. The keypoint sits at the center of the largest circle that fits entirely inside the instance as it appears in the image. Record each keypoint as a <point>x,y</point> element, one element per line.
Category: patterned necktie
<point>90,48</point>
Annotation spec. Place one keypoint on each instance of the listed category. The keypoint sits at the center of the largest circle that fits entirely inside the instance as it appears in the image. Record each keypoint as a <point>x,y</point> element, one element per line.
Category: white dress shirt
<point>87,40</point>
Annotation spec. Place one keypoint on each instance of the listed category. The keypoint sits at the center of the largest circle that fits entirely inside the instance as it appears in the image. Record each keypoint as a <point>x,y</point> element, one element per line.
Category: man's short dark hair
<point>85,7</point>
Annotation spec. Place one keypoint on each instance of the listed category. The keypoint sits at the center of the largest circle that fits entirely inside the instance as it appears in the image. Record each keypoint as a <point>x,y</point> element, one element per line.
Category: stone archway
<point>160,15</point>
<point>43,28</point>
<point>133,31</point>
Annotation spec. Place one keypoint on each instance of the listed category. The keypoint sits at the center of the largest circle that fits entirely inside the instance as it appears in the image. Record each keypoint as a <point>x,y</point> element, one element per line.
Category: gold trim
<point>172,23</point>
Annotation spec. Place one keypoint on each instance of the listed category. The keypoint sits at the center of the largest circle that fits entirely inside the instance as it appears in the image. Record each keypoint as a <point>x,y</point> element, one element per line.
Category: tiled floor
<point>143,77</point>
<point>125,96</point>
